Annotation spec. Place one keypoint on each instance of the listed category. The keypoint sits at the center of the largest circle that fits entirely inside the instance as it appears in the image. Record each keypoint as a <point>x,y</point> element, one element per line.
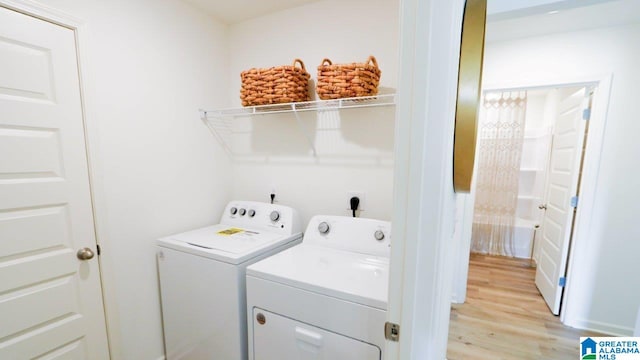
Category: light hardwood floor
<point>505,316</point>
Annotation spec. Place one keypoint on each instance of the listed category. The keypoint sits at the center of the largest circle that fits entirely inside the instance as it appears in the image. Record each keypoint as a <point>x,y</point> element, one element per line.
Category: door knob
<point>85,254</point>
<point>542,207</point>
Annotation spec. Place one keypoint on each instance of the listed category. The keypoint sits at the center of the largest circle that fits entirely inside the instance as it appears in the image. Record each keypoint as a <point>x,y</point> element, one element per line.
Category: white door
<point>562,186</point>
<point>276,337</point>
<point>50,300</point>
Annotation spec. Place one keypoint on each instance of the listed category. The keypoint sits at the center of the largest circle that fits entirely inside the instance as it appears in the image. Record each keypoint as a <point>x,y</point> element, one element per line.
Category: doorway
<point>600,90</point>
<point>530,153</point>
<point>506,301</point>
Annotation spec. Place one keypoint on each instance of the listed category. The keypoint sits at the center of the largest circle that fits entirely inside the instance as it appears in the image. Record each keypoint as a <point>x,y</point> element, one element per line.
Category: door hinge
<point>98,250</point>
<point>574,201</point>
<point>391,331</point>
<point>586,114</point>
<point>562,281</point>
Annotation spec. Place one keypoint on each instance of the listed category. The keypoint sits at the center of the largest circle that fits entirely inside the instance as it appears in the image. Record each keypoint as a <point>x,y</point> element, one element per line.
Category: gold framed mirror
<point>468,101</point>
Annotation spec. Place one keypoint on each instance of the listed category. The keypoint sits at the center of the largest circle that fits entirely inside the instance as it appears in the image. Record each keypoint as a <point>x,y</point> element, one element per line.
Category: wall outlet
<point>273,191</point>
<point>361,195</point>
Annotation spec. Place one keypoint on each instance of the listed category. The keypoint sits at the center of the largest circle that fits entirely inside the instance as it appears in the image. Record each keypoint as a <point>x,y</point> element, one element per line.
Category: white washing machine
<point>325,298</point>
<point>202,278</point>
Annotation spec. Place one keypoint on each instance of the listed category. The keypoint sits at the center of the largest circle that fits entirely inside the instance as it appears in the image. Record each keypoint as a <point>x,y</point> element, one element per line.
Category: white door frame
<point>587,191</point>
<point>58,17</point>
<point>424,201</point>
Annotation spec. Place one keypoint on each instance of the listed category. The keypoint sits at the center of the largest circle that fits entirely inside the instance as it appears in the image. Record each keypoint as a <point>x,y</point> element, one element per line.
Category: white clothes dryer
<point>325,298</point>
<point>202,278</point>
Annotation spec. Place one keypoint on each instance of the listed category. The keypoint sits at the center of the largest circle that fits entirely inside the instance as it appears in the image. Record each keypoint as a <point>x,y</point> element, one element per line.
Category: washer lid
<point>353,277</point>
<point>226,238</point>
<point>223,242</point>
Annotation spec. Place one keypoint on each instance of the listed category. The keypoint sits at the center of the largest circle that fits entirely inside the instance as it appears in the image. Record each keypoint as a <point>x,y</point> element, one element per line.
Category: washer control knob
<point>323,227</point>
<point>274,216</point>
<point>379,235</point>
<point>252,213</point>
<point>242,212</point>
<point>233,210</point>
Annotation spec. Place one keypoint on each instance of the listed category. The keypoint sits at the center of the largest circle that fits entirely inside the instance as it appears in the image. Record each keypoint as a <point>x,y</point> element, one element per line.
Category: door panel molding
<point>562,183</point>
<point>94,163</point>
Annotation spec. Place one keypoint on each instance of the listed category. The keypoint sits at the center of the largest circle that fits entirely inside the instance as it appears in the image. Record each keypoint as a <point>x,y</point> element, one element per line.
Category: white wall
<point>150,65</point>
<point>535,109</point>
<point>602,294</point>
<point>355,147</point>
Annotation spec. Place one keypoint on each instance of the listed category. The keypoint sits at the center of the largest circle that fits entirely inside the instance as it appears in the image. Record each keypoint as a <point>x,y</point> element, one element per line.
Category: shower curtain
<point>501,136</point>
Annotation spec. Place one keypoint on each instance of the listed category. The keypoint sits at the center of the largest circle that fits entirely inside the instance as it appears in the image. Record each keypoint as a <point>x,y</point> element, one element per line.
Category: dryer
<point>202,278</point>
<point>325,298</point>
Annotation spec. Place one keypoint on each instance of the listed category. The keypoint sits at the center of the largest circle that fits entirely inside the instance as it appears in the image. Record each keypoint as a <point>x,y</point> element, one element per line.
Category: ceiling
<point>234,11</point>
<point>611,11</point>
<point>509,9</point>
<point>562,18</point>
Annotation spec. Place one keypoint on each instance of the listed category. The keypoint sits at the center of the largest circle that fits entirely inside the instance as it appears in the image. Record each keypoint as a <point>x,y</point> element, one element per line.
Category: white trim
<point>604,328</point>
<point>43,12</point>
<point>424,201</point>
<point>55,16</point>
<point>461,272</point>
<point>98,194</point>
<point>587,191</point>
<point>595,139</point>
<point>463,250</point>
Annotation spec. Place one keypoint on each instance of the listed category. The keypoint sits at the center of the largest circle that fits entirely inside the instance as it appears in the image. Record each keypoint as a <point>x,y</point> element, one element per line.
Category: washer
<point>202,278</point>
<point>325,298</point>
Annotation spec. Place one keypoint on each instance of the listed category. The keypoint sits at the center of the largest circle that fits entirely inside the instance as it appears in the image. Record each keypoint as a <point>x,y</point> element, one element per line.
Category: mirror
<point>468,101</point>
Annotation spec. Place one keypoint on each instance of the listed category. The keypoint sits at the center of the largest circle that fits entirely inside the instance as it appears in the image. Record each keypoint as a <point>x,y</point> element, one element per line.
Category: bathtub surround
<point>501,137</point>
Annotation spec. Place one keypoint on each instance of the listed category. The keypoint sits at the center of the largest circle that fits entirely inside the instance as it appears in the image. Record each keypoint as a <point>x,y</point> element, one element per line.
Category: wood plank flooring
<point>505,317</point>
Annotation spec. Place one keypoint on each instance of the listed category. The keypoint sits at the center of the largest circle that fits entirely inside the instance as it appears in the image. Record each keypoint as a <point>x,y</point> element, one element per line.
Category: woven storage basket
<point>275,85</point>
<point>347,80</point>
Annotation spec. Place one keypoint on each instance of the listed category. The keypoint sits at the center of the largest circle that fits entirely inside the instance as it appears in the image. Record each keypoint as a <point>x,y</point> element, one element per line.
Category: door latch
<point>391,331</point>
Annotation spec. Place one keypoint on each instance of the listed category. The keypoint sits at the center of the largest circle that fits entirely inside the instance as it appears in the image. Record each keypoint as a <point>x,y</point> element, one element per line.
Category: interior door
<point>50,300</point>
<point>562,185</point>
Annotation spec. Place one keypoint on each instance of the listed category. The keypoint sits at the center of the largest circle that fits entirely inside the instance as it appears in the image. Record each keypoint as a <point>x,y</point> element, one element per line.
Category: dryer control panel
<point>256,215</point>
<point>365,236</point>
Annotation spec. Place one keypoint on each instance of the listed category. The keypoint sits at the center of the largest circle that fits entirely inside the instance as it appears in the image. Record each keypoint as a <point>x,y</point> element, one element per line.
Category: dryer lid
<point>354,277</point>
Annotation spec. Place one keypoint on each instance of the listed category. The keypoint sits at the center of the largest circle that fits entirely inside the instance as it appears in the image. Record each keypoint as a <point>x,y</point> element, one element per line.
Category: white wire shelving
<point>221,126</point>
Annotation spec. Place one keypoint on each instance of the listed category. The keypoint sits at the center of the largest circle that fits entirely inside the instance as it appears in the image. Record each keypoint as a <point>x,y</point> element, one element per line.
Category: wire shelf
<point>220,123</point>
<point>319,105</point>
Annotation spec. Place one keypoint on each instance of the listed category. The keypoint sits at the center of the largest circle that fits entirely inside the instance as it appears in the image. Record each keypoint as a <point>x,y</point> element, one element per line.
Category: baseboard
<point>455,300</point>
<point>161,358</point>
<point>601,327</point>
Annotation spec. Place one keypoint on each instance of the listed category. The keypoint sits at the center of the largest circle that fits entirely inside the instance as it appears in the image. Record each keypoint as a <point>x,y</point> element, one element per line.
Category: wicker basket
<point>347,80</point>
<point>275,85</point>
